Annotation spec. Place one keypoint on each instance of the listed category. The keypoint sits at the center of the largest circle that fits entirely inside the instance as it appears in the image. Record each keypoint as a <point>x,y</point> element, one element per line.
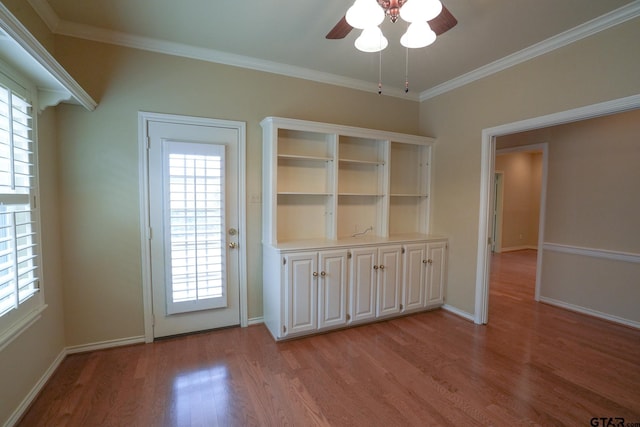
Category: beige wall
<point>99,163</point>
<point>593,201</point>
<point>522,173</point>
<point>593,198</point>
<point>599,68</point>
<point>27,358</point>
<point>90,175</point>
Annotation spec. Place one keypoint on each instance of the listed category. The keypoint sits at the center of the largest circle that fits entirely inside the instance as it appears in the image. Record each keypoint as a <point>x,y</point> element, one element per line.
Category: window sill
<point>14,331</point>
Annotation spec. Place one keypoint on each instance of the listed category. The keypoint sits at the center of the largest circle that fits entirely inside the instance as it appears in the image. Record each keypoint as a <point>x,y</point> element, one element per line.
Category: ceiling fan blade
<point>443,22</point>
<point>341,30</point>
<point>440,24</point>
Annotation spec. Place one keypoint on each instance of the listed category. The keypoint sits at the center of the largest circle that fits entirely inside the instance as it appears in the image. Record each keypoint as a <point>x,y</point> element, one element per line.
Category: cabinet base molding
<point>356,325</point>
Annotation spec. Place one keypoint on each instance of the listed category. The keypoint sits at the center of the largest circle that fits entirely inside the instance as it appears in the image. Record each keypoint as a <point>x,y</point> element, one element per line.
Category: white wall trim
<point>590,312</point>
<point>37,388</point>
<point>255,321</point>
<point>519,248</point>
<point>71,29</point>
<point>593,252</point>
<point>458,312</point>
<point>487,157</point>
<point>18,33</point>
<point>611,19</point>
<point>20,326</point>
<point>102,345</point>
<point>101,35</point>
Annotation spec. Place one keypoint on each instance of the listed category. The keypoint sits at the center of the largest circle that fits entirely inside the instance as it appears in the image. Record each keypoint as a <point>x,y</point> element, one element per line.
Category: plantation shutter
<point>194,222</point>
<point>18,249</point>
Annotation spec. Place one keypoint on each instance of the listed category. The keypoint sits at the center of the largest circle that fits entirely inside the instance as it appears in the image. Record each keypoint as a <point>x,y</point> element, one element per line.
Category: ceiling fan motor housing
<point>392,8</point>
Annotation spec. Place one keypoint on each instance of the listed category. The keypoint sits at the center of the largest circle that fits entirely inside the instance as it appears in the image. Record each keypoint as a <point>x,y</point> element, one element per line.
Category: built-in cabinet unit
<point>345,226</point>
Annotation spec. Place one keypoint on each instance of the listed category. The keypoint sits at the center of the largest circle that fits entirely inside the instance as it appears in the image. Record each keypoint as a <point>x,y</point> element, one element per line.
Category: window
<point>19,269</point>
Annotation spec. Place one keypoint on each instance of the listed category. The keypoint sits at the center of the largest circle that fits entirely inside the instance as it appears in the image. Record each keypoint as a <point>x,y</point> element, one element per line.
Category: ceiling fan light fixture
<point>420,10</point>
<point>371,40</point>
<point>419,34</point>
<point>365,14</point>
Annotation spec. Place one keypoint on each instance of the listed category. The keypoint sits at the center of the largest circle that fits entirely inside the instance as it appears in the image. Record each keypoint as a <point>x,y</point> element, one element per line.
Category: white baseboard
<point>31,396</point>
<point>105,344</point>
<point>590,312</point>
<point>458,312</point>
<point>518,248</point>
<point>255,321</point>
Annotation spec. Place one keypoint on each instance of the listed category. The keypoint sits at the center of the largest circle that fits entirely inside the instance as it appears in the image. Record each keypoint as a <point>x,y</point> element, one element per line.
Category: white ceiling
<point>287,36</point>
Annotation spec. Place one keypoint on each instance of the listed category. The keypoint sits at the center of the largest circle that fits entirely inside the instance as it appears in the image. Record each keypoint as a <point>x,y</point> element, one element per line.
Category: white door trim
<point>487,171</point>
<point>143,169</point>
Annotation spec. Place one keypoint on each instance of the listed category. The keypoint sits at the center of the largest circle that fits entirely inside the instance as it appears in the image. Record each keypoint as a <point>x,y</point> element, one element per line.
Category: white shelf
<point>361,162</point>
<point>408,195</point>
<point>359,195</point>
<point>302,193</point>
<point>299,157</point>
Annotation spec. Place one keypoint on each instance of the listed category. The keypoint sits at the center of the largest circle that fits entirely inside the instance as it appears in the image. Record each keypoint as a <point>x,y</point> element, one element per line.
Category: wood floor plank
<point>533,364</point>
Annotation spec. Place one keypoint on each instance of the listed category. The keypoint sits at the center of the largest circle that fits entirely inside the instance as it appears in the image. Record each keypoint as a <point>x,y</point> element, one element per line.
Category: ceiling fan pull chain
<point>380,74</point>
<point>406,73</point>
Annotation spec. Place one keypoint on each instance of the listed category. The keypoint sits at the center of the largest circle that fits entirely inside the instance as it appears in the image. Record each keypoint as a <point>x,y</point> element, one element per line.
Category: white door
<point>193,218</point>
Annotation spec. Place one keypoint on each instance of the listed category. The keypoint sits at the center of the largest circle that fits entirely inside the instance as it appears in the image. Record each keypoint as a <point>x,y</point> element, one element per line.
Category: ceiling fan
<point>440,24</point>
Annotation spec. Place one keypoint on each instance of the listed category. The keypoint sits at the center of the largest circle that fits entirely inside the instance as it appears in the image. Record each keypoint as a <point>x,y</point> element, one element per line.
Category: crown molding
<point>32,48</point>
<point>44,10</point>
<point>58,26</point>
<point>608,20</point>
<point>87,32</point>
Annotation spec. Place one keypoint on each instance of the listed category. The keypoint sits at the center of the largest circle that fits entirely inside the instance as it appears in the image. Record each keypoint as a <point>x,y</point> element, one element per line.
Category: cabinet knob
<point>323,274</point>
<point>430,261</point>
<point>315,274</point>
<point>375,267</point>
<point>424,261</point>
<point>381,267</point>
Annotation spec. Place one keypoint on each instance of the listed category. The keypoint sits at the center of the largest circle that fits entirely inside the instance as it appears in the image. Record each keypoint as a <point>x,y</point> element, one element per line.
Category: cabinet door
<point>363,284</point>
<point>332,289</point>
<point>301,293</point>
<point>389,280</point>
<point>414,277</point>
<point>437,261</point>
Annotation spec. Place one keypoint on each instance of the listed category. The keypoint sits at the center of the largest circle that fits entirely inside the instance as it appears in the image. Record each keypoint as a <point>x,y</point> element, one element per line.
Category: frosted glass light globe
<point>420,10</point>
<point>364,14</point>
<point>371,40</point>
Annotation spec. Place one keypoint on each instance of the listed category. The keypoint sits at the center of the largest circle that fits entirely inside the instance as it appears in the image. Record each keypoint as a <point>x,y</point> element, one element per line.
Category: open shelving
<point>329,182</point>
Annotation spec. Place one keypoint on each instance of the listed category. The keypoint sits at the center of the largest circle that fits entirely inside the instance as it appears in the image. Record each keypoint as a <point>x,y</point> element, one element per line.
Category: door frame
<point>496,232</point>
<point>487,172</point>
<point>145,234</point>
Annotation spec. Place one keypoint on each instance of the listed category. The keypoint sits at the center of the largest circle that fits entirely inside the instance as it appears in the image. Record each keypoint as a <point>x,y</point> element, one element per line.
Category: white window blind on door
<point>18,240</point>
<point>194,226</point>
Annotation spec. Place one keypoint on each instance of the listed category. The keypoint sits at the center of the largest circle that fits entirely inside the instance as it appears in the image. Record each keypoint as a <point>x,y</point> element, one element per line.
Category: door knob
<point>233,245</point>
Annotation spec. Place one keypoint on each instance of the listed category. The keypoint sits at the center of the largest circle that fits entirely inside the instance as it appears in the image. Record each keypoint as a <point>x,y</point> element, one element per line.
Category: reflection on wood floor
<point>532,364</point>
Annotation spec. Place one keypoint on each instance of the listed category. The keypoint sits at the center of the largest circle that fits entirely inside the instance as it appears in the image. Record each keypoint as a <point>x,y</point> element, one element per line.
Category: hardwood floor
<point>533,364</point>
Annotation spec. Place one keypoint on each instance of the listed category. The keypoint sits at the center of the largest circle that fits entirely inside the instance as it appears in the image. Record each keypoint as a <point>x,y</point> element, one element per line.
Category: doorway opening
<point>487,180</point>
